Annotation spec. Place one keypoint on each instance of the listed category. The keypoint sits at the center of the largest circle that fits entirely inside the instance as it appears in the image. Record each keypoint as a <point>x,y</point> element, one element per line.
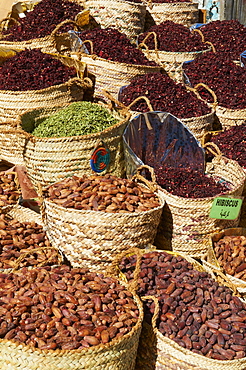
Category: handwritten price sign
<point>225,208</point>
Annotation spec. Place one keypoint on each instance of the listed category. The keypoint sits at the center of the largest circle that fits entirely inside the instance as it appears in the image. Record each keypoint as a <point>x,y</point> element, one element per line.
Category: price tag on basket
<point>226,208</point>
<point>100,158</point>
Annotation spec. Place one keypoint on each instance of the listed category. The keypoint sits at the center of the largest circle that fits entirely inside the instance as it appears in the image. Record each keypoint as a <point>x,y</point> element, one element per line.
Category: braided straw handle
<point>200,33</point>
<point>203,39</point>
<point>67,21</point>
<point>195,90</point>
<point>91,45</point>
<point>156,311</point>
<point>25,254</point>
<point>10,19</point>
<point>216,152</point>
<point>113,269</point>
<point>140,98</point>
<point>146,47</point>
<point>153,186</point>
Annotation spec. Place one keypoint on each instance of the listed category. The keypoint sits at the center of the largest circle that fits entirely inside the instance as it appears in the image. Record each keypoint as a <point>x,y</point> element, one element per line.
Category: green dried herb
<point>79,118</point>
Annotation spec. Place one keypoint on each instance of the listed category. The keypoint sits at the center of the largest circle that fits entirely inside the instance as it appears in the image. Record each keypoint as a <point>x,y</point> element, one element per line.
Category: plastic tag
<point>226,208</point>
<point>100,158</point>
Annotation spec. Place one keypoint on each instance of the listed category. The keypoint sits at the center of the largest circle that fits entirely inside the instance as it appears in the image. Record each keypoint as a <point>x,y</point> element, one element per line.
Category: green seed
<point>79,118</point>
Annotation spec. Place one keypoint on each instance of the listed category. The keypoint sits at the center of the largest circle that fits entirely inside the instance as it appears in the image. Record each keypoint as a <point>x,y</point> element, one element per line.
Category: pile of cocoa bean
<point>195,311</point>
<point>102,193</point>
<point>9,189</point>
<point>230,252</point>
<point>18,239</point>
<point>63,307</point>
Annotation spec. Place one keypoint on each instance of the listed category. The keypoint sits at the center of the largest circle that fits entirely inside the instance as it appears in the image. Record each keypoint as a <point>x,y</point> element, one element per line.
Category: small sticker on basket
<point>100,158</point>
<point>224,208</point>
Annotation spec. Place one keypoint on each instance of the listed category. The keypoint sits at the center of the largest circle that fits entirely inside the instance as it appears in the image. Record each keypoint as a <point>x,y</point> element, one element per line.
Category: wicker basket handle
<point>67,21</point>
<point>10,19</point>
<point>152,185</point>
<point>91,45</point>
<point>195,90</point>
<point>113,102</point>
<point>156,311</point>
<point>146,47</point>
<point>213,149</point>
<point>113,269</point>
<point>25,254</point>
<point>200,33</point>
<point>212,46</point>
<point>203,39</point>
<point>140,98</point>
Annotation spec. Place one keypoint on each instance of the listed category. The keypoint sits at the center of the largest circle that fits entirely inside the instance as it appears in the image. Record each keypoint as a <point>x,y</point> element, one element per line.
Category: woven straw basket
<point>210,261</point>
<point>230,117</point>
<point>157,352</point>
<point>185,225</point>
<point>110,75</point>
<point>47,43</point>
<point>94,238</point>
<point>184,13</point>
<point>171,61</point>
<point>242,223</point>
<point>227,117</point>
<point>119,354</point>
<point>13,103</point>
<point>197,125</point>
<point>128,17</point>
<point>23,214</point>
<point>48,160</point>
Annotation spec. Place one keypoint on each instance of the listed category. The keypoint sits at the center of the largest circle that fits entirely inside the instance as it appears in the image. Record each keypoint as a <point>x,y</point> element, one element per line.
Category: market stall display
<point>190,318</point>
<point>111,58</point>
<point>170,44</point>
<point>107,216</point>
<point>64,322</point>
<point>23,241</point>
<point>213,70</point>
<point>227,36</point>
<point>161,141</point>
<point>40,24</point>
<point>62,149</point>
<point>116,153</point>
<point>164,94</point>
<point>227,253</point>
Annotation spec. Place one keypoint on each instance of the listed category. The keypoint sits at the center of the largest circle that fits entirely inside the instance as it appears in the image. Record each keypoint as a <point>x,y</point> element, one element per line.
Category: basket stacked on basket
<point>108,215</point>
<point>39,26</point>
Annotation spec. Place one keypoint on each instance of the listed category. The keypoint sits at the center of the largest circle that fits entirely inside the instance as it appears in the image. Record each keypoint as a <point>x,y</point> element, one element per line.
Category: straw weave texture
<point>184,13</point>
<point>230,117</point>
<point>94,238</point>
<point>150,354</point>
<point>165,354</point>
<point>211,261</point>
<point>48,160</point>
<point>185,224</point>
<point>120,354</point>
<point>13,103</point>
<point>111,76</point>
<point>199,125</point>
<point>46,43</point>
<point>128,17</point>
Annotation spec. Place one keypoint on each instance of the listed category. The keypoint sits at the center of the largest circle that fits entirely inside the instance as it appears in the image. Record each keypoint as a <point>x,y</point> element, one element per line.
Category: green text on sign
<point>225,208</point>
